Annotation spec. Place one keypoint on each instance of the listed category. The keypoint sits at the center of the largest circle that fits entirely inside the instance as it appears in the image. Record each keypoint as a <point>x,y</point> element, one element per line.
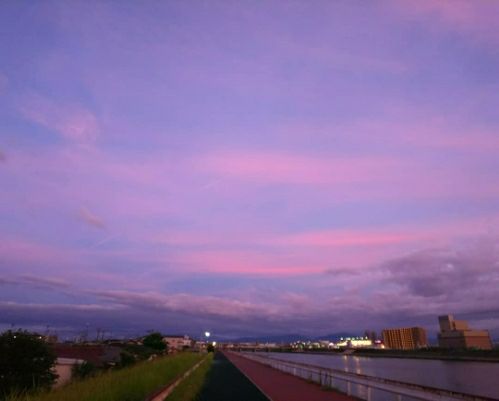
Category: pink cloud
<point>228,251</point>
<point>73,122</point>
<point>243,262</point>
<point>477,19</point>
<point>428,131</point>
<point>276,167</point>
<point>417,234</point>
<point>22,250</point>
<point>346,238</point>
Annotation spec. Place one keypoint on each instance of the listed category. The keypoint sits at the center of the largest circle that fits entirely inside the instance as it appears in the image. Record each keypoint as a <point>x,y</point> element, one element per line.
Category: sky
<point>248,168</point>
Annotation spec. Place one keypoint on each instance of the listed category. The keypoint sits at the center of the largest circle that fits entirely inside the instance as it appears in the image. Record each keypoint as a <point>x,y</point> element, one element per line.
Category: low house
<point>178,342</point>
<point>64,370</point>
<point>96,354</point>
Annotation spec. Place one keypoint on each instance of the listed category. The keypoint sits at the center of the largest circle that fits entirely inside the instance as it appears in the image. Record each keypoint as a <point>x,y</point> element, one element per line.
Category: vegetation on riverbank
<point>188,389</point>
<point>132,383</point>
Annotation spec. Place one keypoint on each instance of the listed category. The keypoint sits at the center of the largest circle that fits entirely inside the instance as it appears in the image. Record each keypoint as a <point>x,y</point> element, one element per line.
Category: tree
<point>26,362</point>
<point>154,341</point>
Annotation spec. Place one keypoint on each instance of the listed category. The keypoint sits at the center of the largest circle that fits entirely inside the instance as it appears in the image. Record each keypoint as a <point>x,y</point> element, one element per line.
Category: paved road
<point>279,386</point>
<point>226,383</point>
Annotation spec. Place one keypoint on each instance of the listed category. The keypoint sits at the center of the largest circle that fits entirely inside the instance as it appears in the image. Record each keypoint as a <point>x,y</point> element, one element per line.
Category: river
<point>477,378</point>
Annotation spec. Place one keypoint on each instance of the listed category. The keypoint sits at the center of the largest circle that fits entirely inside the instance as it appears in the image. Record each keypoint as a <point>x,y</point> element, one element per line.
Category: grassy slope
<point>190,387</point>
<point>129,384</point>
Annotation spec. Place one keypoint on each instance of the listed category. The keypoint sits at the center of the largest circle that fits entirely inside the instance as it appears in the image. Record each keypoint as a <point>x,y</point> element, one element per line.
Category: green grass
<point>191,386</point>
<point>133,383</point>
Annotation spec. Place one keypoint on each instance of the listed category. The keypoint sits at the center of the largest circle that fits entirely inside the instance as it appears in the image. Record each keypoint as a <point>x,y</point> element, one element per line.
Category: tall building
<point>405,338</point>
<point>457,334</point>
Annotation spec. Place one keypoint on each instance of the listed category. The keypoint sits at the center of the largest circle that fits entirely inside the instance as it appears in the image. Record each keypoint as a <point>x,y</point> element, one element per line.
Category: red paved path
<point>280,386</point>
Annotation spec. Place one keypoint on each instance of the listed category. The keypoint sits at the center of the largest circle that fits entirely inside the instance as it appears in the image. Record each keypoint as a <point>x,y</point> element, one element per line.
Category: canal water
<point>477,378</point>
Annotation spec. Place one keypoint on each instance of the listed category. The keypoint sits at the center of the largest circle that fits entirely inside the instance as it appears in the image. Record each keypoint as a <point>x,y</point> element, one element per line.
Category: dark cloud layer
<point>407,291</point>
<point>448,273</point>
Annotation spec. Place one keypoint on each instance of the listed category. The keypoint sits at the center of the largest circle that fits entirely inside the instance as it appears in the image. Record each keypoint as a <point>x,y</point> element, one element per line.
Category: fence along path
<point>279,386</point>
<point>366,385</point>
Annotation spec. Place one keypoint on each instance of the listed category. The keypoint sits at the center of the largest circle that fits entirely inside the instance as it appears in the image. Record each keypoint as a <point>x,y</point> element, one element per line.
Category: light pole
<point>207,335</point>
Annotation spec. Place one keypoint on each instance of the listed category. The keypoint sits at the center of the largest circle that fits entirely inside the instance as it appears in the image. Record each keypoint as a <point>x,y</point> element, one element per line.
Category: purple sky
<point>248,167</point>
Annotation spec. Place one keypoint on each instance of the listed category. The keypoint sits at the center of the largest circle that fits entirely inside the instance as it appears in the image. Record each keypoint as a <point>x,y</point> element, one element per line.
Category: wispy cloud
<point>473,19</point>
<point>91,219</point>
<point>187,303</point>
<point>289,168</point>
<point>45,282</point>
<point>72,121</point>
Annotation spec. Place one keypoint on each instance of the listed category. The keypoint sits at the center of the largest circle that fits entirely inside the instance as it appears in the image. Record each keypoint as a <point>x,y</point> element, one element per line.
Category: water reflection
<point>479,378</point>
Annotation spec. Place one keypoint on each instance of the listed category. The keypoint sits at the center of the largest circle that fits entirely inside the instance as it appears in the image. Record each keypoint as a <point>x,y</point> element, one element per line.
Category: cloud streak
<point>72,122</point>
<point>90,219</point>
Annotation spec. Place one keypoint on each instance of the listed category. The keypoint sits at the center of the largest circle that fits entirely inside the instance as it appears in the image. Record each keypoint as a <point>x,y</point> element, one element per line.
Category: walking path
<point>225,382</point>
<point>279,386</point>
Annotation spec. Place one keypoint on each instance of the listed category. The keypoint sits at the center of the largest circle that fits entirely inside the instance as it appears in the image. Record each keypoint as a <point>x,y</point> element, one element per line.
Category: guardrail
<point>368,387</point>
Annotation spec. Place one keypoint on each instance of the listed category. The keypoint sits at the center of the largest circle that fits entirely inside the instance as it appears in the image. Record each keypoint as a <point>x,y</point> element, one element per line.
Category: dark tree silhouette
<point>26,362</point>
<point>154,341</point>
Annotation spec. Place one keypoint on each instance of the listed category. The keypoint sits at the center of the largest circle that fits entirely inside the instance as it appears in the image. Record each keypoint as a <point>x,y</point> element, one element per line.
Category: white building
<point>64,370</point>
<point>177,342</point>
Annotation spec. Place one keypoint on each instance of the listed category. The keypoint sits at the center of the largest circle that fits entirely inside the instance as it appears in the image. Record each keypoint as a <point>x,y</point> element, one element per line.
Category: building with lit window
<point>405,338</point>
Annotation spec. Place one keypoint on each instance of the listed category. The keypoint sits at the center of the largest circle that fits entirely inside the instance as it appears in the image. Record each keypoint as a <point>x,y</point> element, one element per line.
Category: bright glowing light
<point>207,334</point>
<point>214,343</point>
